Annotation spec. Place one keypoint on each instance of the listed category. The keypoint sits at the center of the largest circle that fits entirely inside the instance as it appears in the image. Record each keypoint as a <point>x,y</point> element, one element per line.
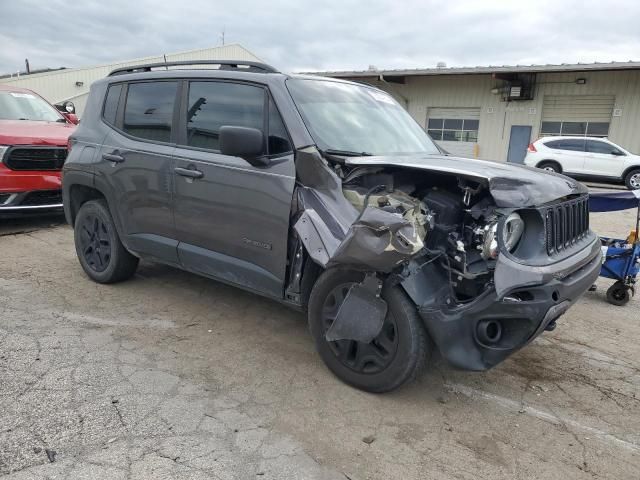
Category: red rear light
<point>532,148</point>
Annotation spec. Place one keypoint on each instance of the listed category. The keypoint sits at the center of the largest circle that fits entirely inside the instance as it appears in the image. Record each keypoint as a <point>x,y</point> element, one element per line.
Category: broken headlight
<point>511,234</point>
<point>512,231</point>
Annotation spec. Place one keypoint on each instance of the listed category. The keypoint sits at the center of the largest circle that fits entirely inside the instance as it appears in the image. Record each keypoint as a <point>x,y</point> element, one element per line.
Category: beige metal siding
<point>61,85</point>
<point>419,94</point>
<point>577,108</point>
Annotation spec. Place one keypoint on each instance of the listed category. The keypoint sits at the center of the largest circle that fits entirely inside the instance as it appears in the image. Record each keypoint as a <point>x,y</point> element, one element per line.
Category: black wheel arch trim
<point>73,178</point>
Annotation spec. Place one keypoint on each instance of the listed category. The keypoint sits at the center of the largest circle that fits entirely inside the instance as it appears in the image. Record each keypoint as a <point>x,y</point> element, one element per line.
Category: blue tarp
<point>614,201</point>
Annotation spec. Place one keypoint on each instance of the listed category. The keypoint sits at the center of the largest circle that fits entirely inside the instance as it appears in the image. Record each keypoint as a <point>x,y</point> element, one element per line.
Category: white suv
<point>585,157</point>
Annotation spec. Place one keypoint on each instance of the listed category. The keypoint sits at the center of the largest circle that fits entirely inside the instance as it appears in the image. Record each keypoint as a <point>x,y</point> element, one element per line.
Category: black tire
<point>100,251</point>
<point>392,359</point>
<point>550,166</point>
<point>632,179</point>
<point>618,294</point>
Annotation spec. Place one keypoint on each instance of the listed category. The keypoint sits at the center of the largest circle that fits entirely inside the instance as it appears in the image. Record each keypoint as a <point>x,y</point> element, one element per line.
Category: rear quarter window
<point>111,104</point>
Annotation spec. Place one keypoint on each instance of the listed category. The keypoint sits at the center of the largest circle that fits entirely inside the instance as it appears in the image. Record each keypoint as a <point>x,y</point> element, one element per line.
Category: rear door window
<point>148,112</point>
<point>574,145</point>
<point>212,105</point>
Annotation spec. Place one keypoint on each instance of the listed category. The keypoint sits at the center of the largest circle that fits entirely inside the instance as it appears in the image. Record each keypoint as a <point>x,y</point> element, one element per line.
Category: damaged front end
<point>487,269</point>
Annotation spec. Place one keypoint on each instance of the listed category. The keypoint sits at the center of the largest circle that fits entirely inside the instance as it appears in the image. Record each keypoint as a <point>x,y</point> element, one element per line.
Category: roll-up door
<point>582,115</point>
<point>454,129</point>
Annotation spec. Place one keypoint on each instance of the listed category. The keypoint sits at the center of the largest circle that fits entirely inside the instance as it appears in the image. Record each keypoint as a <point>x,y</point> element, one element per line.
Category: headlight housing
<point>512,231</point>
<point>3,150</point>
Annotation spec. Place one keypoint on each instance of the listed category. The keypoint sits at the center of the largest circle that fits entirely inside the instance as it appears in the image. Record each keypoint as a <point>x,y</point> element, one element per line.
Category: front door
<point>136,161</point>
<point>603,159</point>
<point>232,218</point>
<point>518,143</point>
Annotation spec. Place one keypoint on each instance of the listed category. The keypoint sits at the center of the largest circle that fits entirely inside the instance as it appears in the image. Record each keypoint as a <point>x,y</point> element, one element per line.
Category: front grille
<point>566,223</point>
<point>35,158</point>
<point>42,197</point>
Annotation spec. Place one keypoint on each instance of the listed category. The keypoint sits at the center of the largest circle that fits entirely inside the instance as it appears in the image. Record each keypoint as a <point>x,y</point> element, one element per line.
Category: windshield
<point>357,119</point>
<point>26,106</point>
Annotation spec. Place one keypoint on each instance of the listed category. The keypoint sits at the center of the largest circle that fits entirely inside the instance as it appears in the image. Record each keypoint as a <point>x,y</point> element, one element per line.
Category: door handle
<point>112,157</point>
<point>188,172</point>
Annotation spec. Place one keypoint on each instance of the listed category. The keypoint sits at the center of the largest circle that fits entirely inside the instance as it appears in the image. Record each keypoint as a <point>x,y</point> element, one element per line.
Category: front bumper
<point>32,201</point>
<point>29,191</point>
<point>536,298</point>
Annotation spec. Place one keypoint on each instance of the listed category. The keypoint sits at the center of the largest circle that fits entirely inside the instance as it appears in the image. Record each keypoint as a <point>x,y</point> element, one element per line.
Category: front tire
<point>100,251</point>
<point>395,357</point>
<point>632,179</point>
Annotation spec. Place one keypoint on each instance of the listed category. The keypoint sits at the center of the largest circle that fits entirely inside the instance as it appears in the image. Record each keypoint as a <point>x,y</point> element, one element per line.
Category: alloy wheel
<point>634,181</point>
<point>366,358</point>
<point>95,243</point>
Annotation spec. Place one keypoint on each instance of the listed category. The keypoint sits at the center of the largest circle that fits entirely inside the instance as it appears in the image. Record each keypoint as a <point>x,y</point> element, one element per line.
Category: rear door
<point>232,218</point>
<point>136,163</point>
<point>602,160</point>
<point>570,153</point>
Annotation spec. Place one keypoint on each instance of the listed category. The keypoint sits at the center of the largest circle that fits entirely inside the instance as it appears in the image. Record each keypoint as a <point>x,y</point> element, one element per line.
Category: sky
<point>301,35</point>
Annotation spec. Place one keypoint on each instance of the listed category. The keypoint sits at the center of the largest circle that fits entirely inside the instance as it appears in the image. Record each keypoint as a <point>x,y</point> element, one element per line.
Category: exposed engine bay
<point>454,220</point>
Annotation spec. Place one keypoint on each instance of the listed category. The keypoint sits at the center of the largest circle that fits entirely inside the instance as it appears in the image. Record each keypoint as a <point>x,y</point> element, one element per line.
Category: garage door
<point>454,129</point>
<point>588,115</point>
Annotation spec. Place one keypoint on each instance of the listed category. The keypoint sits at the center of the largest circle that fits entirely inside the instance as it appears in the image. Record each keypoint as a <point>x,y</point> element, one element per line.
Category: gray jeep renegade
<point>325,195</point>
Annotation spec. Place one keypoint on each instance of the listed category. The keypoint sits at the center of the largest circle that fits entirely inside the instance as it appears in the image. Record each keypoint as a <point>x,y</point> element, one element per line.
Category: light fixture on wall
<point>79,84</point>
<point>581,81</point>
<point>495,90</point>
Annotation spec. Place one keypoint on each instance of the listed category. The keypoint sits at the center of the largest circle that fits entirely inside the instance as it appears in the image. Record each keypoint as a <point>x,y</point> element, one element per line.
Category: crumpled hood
<point>28,132</point>
<point>510,185</point>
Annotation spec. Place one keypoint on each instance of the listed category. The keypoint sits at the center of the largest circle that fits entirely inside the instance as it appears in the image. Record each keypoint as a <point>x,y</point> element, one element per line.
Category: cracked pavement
<point>173,376</point>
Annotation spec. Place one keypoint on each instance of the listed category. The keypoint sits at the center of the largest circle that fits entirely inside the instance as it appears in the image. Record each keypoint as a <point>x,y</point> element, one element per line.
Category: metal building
<point>494,112</point>
<point>73,83</point>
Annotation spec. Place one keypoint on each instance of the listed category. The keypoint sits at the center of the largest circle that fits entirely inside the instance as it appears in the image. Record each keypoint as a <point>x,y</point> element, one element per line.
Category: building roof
<point>200,54</point>
<point>564,67</point>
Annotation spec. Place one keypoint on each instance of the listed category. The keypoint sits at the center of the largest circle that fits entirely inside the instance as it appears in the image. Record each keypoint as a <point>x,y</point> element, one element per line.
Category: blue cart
<point>621,257</point>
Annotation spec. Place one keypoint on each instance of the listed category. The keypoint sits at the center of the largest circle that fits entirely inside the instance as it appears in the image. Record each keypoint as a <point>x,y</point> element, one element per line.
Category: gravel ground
<point>173,376</point>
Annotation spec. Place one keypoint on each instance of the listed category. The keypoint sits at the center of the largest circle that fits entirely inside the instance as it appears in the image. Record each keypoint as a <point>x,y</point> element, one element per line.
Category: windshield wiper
<point>345,153</point>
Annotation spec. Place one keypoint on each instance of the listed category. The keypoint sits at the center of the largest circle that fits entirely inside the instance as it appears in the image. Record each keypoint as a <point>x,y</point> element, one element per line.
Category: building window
<point>453,130</point>
<point>581,129</point>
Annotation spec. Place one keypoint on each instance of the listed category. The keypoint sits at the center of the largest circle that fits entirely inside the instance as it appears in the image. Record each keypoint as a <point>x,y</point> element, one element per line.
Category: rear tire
<point>550,166</point>
<point>618,294</point>
<point>100,251</point>
<point>632,179</point>
<point>392,359</point>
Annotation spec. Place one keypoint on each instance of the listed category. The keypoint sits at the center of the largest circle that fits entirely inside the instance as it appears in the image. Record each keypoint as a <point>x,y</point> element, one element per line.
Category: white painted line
<point>539,414</point>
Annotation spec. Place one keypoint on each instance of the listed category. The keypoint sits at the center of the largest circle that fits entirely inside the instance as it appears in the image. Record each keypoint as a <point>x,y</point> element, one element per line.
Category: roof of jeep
<point>177,73</point>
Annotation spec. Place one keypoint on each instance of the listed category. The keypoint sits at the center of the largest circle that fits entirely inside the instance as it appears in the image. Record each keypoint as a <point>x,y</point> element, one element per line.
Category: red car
<point>33,148</point>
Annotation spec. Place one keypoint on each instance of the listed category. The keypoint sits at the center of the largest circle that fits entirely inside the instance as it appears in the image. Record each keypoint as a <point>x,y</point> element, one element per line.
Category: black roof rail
<point>224,65</point>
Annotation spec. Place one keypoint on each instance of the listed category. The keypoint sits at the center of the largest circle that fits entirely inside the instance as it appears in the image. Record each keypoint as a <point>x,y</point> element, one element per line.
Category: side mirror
<point>243,142</point>
<point>66,107</point>
<point>72,117</point>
